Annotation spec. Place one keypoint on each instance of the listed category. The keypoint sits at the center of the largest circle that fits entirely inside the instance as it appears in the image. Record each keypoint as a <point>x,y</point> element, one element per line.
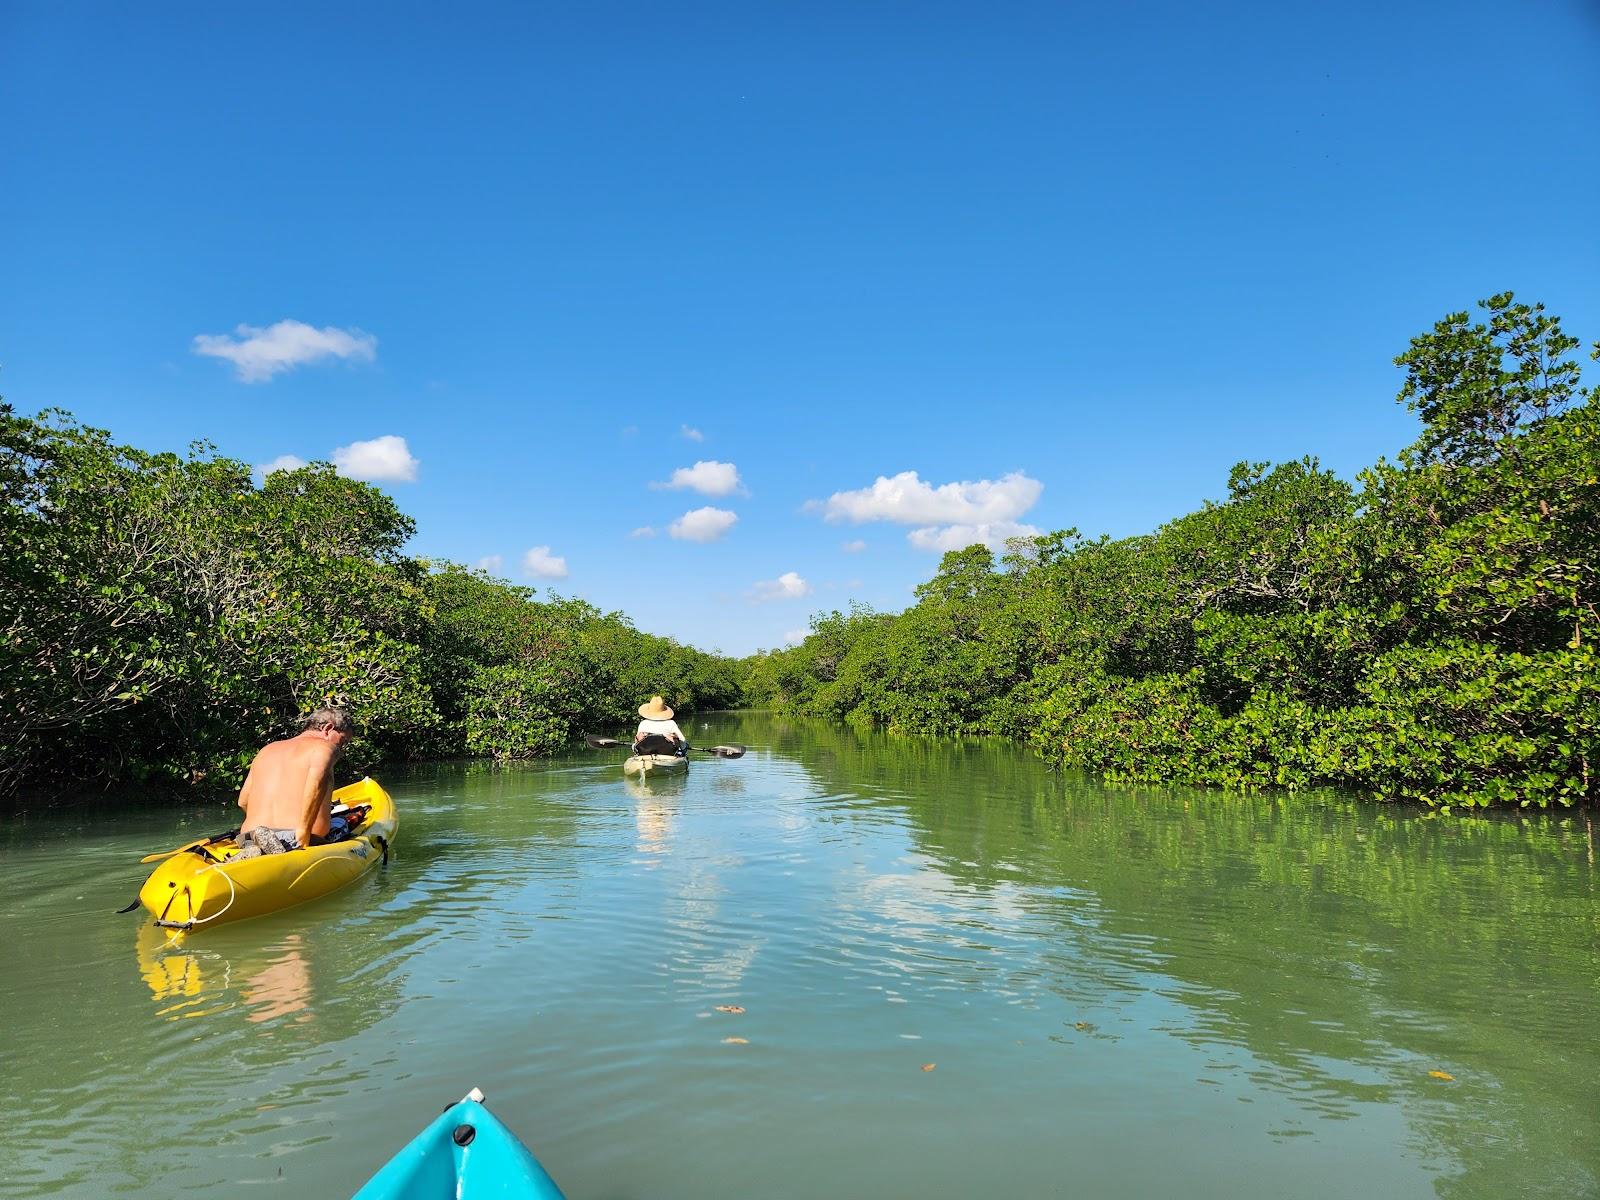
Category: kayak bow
<point>466,1153</point>
<point>653,764</point>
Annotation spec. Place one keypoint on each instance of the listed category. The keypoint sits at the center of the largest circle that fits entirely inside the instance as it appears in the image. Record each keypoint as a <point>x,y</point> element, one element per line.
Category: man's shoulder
<point>275,749</point>
<point>305,749</point>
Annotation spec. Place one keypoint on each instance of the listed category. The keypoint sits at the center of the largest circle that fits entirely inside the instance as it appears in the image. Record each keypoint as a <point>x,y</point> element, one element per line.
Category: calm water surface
<point>1119,994</point>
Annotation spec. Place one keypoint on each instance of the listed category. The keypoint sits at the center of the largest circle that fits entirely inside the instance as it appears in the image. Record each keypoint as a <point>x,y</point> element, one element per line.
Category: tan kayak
<point>645,765</point>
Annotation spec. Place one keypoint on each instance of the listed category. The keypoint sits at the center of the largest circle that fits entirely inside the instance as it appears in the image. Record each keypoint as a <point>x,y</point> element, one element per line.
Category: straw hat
<point>656,710</point>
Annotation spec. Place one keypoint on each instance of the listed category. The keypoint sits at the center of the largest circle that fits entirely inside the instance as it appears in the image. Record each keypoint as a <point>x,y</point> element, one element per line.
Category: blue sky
<point>1066,263</point>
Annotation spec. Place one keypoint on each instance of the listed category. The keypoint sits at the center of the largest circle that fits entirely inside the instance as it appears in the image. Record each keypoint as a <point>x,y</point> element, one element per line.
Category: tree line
<point>1424,633</point>
<point>161,614</point>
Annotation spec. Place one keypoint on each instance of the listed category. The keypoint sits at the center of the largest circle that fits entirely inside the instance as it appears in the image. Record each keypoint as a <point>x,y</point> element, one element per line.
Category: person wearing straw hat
<point>658,733</point>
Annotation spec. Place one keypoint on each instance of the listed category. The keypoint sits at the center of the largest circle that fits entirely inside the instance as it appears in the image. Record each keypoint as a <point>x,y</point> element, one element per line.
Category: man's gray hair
<point>335,719</point>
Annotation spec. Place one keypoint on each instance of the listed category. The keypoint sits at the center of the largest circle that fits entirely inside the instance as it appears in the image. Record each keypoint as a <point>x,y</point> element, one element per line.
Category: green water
<point>1124,994</point>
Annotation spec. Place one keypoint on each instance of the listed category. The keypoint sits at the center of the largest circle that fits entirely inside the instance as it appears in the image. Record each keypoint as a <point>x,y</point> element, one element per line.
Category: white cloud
<point>709,478</point>
<point>787,586</point>
<point>906,500</point>
<point>284,462</point>
<point>691,433</point>
<point>993,534</point>
<point>795,636</point>
<point>384,458</point>
<point>644,531</point>
<point>950,516</point>
<point>703,524</point>
<point>541,564</point>
<point>853,547</point>
<point>491,563</point>
<point>258,354</point>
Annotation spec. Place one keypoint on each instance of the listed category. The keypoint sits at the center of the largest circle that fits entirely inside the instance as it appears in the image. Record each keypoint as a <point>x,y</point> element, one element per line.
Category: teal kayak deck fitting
<point>465,1154</point>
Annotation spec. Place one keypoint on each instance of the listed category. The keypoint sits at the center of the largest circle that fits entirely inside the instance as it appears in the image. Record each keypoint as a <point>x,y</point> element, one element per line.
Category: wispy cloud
<point>644,531</point>
<point>703,525</point>
<point>490,563</point>
<point>709,478</point>
<point>949,515</point>
<point>787,586</point>
<point>691,433</point>
<point>795,636</point>
<point>383,459</point>
<point>853,547</point>
<point>993,534</point>
<point>541,564</point>
<point>284,462</point>
<point>258,353</point>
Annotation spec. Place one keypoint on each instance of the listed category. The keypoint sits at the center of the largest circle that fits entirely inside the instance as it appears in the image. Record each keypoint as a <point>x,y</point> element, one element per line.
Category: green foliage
<point>160,615</point>
<point>516,710</point>
<point>794,679</point>
<point>1475,386</point>
<point>1427,636</point>
<point>533,676</point>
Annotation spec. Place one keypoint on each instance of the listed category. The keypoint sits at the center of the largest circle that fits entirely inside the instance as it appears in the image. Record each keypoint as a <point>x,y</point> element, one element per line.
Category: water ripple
<point>843,964</point>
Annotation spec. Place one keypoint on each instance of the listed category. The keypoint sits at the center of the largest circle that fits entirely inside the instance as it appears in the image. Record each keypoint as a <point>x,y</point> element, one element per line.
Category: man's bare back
<point>290,783</point>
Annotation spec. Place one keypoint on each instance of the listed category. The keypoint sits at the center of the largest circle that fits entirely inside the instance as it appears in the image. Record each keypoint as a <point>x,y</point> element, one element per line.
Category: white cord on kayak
<point>233,894</point>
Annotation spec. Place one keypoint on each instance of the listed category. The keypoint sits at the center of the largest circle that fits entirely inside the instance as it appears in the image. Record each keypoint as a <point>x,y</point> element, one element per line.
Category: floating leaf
<point>735,1041</point>
<point>1441,1075</point>
<point>929,1066</point>
<point>730,1008</point>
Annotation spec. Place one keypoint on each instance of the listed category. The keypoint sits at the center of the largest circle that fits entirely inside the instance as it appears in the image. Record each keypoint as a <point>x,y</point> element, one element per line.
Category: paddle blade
<point>733,750</point>
<point>600,743</point>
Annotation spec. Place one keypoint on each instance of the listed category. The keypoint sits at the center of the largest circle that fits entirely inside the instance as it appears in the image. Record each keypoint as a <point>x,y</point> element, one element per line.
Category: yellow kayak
<point>201,884</point>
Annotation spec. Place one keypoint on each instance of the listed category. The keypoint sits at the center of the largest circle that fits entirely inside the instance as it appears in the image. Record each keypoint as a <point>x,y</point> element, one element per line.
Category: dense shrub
<point>1428,634</point>
<point>161,614</point>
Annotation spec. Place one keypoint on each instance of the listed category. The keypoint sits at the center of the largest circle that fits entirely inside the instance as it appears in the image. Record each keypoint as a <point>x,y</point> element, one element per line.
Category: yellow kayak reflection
<point>171,975</point>
<point>269,982</point>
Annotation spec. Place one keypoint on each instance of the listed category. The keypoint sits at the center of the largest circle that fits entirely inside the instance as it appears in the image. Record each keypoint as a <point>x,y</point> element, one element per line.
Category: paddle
<point>733,750</point>
<point>216,837</point>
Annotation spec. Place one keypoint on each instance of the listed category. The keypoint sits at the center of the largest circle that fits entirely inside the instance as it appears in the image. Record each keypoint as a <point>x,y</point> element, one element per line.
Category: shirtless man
<point>287,794</point>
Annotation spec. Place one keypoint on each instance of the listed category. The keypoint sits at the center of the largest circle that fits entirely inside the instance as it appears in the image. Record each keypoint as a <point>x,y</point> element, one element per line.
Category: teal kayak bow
<point>466,1153</point>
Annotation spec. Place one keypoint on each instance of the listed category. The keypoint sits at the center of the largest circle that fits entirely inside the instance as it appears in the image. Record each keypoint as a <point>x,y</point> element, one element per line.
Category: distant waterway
<point>959,974</point>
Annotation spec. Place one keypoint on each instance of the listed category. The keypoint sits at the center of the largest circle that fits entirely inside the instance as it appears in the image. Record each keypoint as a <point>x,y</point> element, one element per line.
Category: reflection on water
<point>729,983</point>
<point>189,980</point>
<point>654,800</point>
<point>282,988</point>
<point>176,977</point>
